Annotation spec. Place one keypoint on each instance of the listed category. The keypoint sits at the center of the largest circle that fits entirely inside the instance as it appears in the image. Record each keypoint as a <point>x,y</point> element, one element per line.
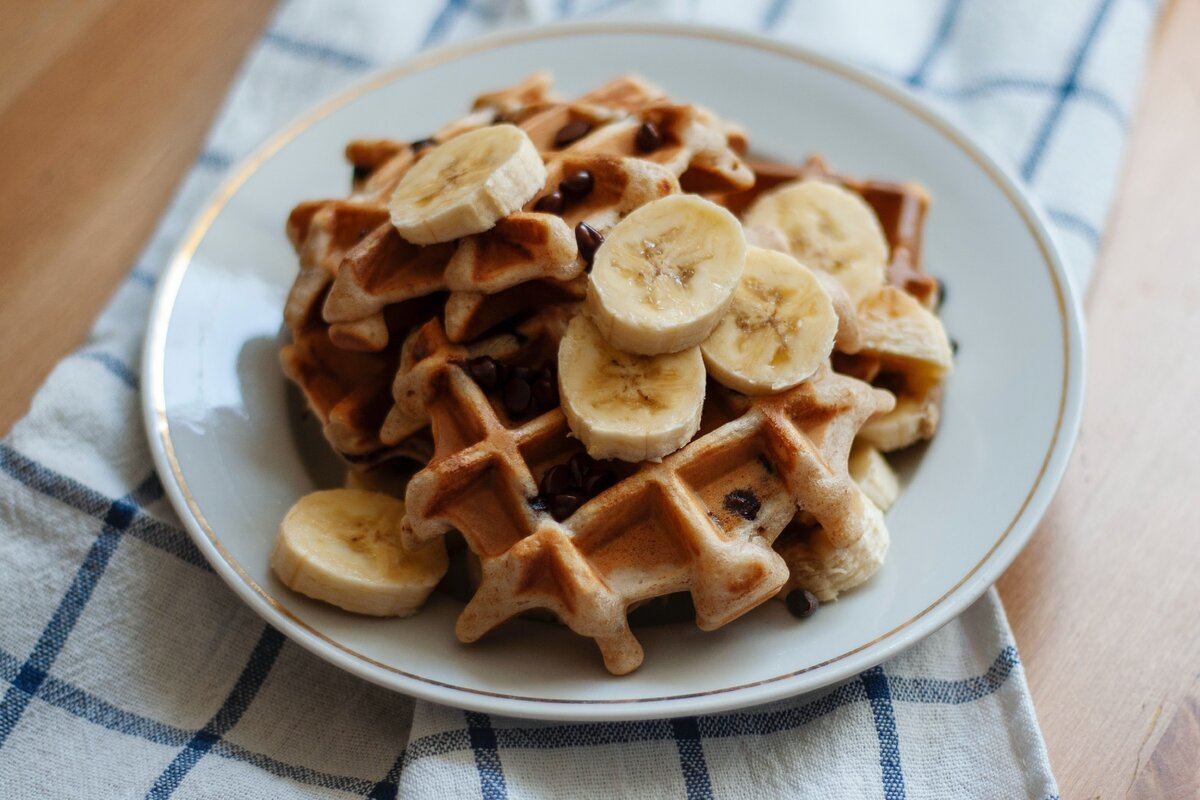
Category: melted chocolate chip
<point>802,603</point>
<point>550,204</point>
<point>559,480</point>
<point>573,131</point>
<point>564,505</point>
<point>361,172</point>
<point>953,346</point>
<point>599,481</point>
<point>744,503</point>
<point>423,144</point>
<point>581,464</point>
<point>484,371</point>
<point>517,396</point>
<point>941,294</point>
<point>766,464</point>
<point>577,186</point>
<point>545,393</point>
<point>524,373</point>
<point>538,503</point>
<point>588,240</point>
<point>649,137</point>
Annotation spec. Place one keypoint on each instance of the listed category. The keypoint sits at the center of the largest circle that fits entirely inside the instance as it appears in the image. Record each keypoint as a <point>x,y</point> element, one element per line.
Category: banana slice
<point>827,571</point>
<point>874,475</point>
<point>902,333</point>
<point>626,406</point>
<point>914,419</point>
<point>343,546</point>
<point>665,275</point>
<point>779,329</point>
<point>467,184</point>
<point>827,228</point>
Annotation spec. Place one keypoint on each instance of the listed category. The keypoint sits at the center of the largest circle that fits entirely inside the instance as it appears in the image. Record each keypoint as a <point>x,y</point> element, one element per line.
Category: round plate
<point>216,403</point>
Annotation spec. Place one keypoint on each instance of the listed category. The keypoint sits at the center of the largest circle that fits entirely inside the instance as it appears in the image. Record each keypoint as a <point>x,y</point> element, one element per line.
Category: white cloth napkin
<point>130,670</point>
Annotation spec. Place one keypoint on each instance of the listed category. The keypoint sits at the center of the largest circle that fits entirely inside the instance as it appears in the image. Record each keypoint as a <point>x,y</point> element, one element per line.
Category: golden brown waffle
<point>532,341</point>
<point>701,521</point>
<point>609,140</point>
<point>349,392</point>
<point>900,207</point>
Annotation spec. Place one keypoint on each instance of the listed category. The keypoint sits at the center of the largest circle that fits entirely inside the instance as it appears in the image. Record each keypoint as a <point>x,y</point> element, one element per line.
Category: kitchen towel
<point>130,670</point>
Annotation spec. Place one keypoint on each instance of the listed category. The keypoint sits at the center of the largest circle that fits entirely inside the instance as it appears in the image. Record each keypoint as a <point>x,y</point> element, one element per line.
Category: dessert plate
<point>222,427</point>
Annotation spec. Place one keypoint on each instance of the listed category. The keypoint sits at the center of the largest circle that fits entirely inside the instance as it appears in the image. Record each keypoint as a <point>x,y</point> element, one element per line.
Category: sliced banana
<point>665,275</point>
<point>874,475</point>
<point>467,184</point>
<point>627,406</point>
<point>897,329</point>
<point>914,419</point>
<point>827,571</point>
<point>829,228</point>
<point>343,546</point>
<point>778,330</point>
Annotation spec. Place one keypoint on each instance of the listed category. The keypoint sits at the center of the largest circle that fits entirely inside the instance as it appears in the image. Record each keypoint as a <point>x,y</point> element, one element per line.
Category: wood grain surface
<point>103,106</point>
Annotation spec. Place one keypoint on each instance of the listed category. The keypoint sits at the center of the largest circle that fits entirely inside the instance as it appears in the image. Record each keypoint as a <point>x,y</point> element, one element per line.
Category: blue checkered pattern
<point>129,670</point>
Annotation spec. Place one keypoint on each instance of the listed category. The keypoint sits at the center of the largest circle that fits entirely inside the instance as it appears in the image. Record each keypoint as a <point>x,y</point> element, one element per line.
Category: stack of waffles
<point>628,361</point>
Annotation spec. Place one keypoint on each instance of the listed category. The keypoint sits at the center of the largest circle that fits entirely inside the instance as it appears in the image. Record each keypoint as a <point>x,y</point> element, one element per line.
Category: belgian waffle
<point>602,132</point>
<point>446,353</point>
<point>701,521</point>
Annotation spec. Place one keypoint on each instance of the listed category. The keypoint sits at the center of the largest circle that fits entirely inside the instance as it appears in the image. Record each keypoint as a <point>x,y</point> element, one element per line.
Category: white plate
<point>216,404</point>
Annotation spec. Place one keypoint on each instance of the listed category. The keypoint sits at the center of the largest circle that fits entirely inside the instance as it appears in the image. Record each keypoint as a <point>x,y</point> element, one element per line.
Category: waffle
<point>349,392</point>
<point>406,350</point>
<point>702,521</point>
<point>532,341</point>
<point>694,149</point>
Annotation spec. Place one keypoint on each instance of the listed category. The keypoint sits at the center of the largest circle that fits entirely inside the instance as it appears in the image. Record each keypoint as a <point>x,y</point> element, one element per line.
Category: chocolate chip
<point>524,373</point>
<point>550,204</point>
<point>517,396</point>
<point>953,346</point>
<point>483,371</point>
<point>538,503</point>
<point>589,240</point>
<point>564,505</point>
<point>573,131</point>
<point>577,186</point>
<point>581,464</point>
<point>941,293</point>
<point>423,144</point>
<point>744,503</point>
<point>648,138</point>
<point>559,480</point>
<point>598,481</point>
<point>361,172</point>
<point>802,603</point>
<point>545,394</point>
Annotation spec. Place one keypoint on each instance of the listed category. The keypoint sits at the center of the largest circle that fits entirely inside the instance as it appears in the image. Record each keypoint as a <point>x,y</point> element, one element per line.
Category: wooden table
<point>103,105</point>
